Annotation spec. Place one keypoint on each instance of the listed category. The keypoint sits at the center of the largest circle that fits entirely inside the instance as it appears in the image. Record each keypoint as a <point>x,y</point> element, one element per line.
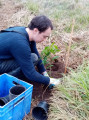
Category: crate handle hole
<point>15,83</point>
<point>19,101</point>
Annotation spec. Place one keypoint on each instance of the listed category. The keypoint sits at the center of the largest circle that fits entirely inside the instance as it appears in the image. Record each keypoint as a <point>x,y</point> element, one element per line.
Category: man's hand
<point>45,74</point>
<point>55,81</point>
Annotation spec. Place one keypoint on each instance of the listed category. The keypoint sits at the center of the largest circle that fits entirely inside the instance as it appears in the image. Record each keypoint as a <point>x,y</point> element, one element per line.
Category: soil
<point>9,15</point>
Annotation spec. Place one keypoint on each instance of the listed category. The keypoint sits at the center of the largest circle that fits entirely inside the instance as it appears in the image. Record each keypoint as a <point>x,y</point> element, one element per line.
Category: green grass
<point>32,7</point>
<point>68,28</point>
<point>75,92</point>
<point>88,47</point>
<point>0,4</point>
<point>62,12</point>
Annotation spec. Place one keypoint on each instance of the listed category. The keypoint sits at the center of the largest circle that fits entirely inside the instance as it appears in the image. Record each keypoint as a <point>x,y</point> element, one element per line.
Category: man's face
<point>39,37</point>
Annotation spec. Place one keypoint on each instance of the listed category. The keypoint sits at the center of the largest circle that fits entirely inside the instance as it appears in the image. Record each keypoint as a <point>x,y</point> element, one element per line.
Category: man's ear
<point>35,30</point>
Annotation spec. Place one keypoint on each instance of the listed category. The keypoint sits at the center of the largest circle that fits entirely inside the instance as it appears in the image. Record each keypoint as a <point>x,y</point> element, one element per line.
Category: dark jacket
<point>17,45</point>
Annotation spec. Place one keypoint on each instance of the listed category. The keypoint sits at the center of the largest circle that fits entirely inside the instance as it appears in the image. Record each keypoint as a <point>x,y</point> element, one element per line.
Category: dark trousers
<point>11,66</point>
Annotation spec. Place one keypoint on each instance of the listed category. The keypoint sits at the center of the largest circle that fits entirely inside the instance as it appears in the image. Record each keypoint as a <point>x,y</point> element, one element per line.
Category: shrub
<point>47,53</point>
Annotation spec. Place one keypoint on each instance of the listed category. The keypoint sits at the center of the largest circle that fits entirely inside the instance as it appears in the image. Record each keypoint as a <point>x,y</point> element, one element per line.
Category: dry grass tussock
<point>59,108</point>
<point>70,100</point>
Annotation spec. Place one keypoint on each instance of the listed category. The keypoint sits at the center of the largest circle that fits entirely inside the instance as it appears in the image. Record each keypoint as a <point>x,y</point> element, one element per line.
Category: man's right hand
<point>55,81</point>
<point>45,74</point>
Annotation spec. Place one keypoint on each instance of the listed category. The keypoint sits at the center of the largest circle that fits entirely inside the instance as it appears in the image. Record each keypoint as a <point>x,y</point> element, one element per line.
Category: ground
<point>12,14</point>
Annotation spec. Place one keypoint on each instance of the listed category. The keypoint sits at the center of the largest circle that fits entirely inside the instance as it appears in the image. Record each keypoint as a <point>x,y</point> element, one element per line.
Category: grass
<point>68,28</point>
<point>32,7</point>
<point>0,4</point>
<point>75,92</point>
<point>61,12</point>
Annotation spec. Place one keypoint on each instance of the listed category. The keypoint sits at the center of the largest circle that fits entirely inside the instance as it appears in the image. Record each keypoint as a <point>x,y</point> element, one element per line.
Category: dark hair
<point>42,23</point>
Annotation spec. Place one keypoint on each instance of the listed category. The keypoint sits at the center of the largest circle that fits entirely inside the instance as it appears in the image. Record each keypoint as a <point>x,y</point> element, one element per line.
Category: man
<point>18,52</point>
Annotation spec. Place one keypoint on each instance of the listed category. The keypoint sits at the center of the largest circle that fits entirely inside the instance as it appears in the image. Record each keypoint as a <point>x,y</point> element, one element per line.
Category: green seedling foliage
<point>55,57</point>
<point>48,50</point>
<point>49,66</point>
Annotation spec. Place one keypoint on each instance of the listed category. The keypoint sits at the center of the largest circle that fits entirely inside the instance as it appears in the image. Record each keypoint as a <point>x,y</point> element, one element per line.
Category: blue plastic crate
<point>19,106</point>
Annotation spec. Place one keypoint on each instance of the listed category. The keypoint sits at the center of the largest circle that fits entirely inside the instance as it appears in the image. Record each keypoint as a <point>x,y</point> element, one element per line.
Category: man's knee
<point>34,57</point>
